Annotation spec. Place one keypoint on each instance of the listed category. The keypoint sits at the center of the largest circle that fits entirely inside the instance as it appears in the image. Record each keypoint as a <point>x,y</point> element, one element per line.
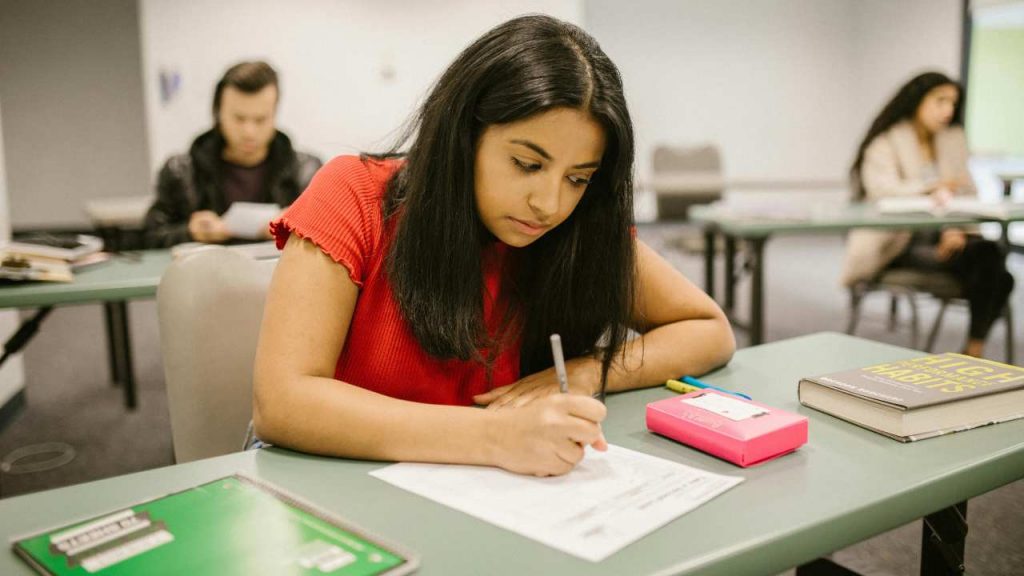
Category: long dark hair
<point>903,106</point>
<point>578,279</point>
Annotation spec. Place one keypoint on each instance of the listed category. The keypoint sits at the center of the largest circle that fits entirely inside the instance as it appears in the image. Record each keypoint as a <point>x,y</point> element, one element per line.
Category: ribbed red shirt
<point>341,212</point>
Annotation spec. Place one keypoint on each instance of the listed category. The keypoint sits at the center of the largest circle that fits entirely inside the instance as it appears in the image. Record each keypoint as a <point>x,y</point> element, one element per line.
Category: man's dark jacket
<point>191,182</point>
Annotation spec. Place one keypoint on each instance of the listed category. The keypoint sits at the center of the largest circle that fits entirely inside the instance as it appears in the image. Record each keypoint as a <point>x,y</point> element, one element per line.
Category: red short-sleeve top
<point>341,212</point>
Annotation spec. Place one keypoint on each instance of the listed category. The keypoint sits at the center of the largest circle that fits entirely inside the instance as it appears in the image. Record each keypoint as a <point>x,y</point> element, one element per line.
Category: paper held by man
<point>250,220</point>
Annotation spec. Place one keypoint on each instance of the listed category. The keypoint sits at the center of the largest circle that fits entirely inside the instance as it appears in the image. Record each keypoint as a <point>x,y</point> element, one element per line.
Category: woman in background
<point>412,288</point>
<point>916,146</point>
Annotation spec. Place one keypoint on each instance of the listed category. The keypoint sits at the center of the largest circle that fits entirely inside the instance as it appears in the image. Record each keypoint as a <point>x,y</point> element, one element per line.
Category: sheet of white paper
<point>905,204</point>
<point>959,205</point>
<point>249,220</point>
<point>608,501</point>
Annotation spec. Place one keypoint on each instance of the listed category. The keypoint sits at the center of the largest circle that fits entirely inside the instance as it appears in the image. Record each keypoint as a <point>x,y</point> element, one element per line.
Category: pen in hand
<point>563,382</point>
<point>556,352</point>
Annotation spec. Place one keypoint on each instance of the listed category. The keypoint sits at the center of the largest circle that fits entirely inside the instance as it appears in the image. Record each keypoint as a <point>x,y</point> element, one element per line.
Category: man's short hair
<point>248,77</point>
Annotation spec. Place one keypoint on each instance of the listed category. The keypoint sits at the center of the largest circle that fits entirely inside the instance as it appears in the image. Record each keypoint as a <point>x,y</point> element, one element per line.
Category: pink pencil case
<point>740,431</point>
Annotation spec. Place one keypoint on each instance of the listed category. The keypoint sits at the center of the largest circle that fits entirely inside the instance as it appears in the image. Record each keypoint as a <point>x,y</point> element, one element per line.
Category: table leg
<point>730,274</point>
<point>709,261</point>
<point>114,359</point>
<point>942,541</point>
<point>12,406</point>
<point>121,349</point>
<point>24,333</point>
<point>756,247</point>
<point>942,547</point>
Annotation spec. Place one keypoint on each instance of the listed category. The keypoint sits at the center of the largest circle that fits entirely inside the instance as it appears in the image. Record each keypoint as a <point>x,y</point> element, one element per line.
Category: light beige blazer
<point>892,167</point>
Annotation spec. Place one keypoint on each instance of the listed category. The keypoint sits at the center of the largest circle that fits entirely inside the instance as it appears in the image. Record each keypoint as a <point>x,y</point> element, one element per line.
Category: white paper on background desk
<point>250,220</point>
<point>608,501</point>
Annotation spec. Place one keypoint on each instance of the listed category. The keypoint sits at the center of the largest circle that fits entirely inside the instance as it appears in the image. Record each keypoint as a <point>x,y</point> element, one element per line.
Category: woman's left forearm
<point>688,347</point>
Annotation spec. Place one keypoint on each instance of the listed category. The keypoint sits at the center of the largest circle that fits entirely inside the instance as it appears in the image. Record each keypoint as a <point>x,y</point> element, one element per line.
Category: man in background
<point>243,158</point>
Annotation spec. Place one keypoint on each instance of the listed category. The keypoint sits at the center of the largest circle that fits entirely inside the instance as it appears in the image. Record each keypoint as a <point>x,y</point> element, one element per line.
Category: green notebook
<point>234,525</point>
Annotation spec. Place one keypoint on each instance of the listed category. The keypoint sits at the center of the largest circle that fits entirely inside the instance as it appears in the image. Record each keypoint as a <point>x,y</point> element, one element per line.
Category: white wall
<point>785,87</point>
<point>12,375</point>
<point>70,80</point>
<point>351,71</point>
<point>896,40</point>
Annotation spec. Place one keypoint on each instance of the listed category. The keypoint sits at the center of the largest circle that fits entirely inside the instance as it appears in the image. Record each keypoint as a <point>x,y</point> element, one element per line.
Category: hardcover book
<point>26,269</point>
<point>48,257</point>
<point>68,248</point>
<point>920,397</point>
<point>234,525</point>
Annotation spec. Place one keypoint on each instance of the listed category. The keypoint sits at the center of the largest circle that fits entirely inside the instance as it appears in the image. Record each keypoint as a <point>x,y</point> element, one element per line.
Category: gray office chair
<point>684,176</point>
<point>909,284</point>
<point>210,304</point>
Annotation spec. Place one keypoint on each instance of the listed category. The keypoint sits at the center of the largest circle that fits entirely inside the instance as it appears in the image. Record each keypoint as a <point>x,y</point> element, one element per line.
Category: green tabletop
<point>845,485</point>
<point>823,218</point>
<point>124,277</point>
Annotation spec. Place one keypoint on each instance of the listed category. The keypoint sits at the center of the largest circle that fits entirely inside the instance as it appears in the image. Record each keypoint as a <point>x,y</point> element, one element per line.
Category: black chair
<point>910,284</point>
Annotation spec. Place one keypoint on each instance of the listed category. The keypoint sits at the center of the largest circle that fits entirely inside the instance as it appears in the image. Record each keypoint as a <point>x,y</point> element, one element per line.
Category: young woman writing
<point>411,289</point>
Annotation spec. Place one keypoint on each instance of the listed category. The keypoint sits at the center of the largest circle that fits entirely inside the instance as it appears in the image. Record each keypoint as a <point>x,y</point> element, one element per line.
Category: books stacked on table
<point>48,257</point>
<point>920,397</point>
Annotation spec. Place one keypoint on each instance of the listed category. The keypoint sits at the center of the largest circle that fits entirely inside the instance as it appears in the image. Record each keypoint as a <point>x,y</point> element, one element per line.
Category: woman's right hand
<point>206,226</point>
<point>941,196</point>
<point>547,437</point>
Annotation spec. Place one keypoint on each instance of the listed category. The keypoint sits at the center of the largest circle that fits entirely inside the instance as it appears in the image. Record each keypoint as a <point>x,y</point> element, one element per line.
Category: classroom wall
<point>786,88</point>
<point>897,40</point>
<point>70,84</point>
<point>12,376</point>
<point>351,71</point>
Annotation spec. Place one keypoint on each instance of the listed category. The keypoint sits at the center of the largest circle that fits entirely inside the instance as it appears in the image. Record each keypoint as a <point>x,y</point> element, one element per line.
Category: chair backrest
<point>683,176</point>
<point>210,305</point>
<point>696,159</point>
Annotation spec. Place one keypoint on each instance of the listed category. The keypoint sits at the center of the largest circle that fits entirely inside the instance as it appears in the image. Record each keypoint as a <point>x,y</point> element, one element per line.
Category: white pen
<point>556,352</point>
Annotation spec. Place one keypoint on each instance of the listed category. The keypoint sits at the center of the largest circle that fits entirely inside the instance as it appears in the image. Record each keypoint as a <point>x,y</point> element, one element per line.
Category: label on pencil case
<point>731,408</point>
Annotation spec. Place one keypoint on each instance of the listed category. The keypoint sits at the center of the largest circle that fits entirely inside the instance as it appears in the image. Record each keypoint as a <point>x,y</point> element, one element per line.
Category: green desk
<point>734,225</point>
<point>845,485</point>
<point>112,283</point>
